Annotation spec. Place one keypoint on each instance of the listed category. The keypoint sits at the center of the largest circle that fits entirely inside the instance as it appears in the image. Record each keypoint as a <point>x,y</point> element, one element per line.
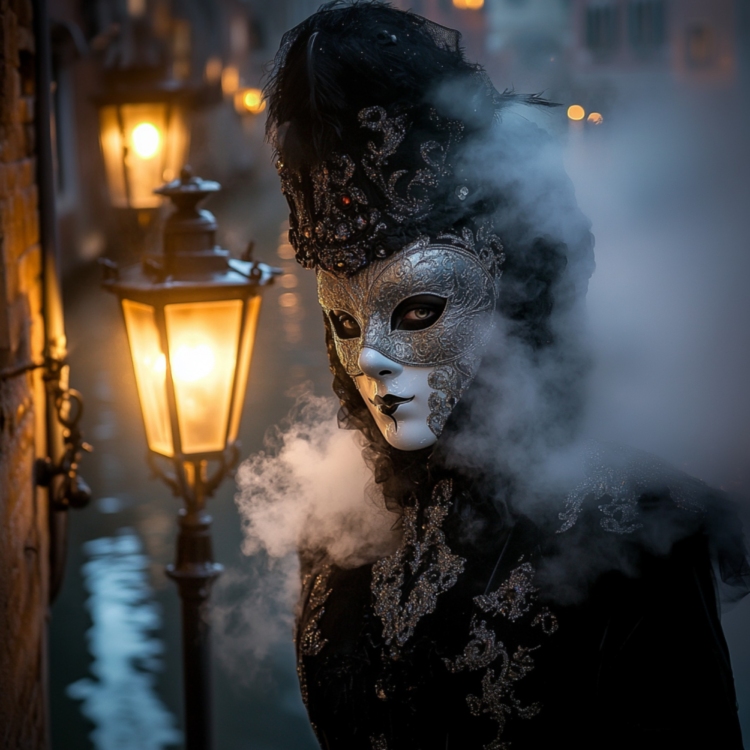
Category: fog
<point>668,306</point>
<point>663,181</point>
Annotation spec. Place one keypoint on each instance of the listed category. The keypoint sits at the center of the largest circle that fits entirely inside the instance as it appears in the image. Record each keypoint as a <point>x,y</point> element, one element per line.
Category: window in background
<point>602,29</point>
<point>647,24</point>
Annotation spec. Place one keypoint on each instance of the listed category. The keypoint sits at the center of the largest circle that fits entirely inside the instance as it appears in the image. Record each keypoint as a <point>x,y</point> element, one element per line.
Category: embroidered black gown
<point>482,632</point>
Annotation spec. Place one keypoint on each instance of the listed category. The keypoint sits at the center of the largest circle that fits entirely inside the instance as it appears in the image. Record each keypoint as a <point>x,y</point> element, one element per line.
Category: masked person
<point>452,263</point>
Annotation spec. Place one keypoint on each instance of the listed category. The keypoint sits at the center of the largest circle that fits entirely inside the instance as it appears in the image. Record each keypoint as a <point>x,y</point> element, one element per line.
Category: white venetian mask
<point>410,331</point>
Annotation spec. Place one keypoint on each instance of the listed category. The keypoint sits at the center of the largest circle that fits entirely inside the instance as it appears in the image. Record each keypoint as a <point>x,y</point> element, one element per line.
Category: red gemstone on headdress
<point>346,201</point>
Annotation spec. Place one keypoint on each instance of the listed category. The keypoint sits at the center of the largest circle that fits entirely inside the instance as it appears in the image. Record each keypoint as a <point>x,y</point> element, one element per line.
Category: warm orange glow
<point>243,367</point>
<point>253,100</point>
<point>191,363</point>
<point>156,363</point>
<point>146,140</point>
<point>595,118</point>
<point>288,281</point>
<point>143,145</point>
<point>468,4</point>
<point>230,80</point>
<point>136,8</point>
<point>249,101</point>
<point>213,69</point>
<point>289,299</point>
<point>203,342</point>
<point>150,366</point>
<point>576,112</point>
<point>205,363</point>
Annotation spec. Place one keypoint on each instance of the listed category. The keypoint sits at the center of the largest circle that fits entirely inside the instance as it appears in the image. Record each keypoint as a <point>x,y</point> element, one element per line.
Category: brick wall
<point>23,518</point>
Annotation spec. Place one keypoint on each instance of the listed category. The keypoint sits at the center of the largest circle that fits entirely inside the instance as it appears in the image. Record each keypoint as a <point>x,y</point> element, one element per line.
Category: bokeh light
<point>576,112</point>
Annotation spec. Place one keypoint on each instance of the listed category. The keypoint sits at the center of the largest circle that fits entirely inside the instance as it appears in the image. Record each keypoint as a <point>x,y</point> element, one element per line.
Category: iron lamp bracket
<point>72,491</point>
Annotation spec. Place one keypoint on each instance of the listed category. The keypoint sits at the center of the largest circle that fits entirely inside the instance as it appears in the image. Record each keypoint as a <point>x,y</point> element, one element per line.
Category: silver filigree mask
<point>410,331</point>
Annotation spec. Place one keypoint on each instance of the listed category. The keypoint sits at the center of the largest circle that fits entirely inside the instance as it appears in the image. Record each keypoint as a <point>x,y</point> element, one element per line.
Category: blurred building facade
<point>683,42</point>
<point>527,43</point>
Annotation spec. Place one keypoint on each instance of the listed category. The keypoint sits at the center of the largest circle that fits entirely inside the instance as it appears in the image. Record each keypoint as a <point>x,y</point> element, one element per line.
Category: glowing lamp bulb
<point>192,363</point>
<point>595,118</point>
<point>576,112</point>
<point>146,140</point>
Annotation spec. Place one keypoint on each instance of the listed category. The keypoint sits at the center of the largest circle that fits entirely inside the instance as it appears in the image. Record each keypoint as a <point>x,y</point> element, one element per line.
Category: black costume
<point>593,623</point>
<point>441,647</point>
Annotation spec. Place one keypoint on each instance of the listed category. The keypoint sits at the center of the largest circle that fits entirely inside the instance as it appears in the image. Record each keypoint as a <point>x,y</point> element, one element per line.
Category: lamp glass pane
<point>178,143</point>
<point>203,342</point>
<point>150,366</point>
<point>243,368</point>
<point>110,137</point>
<point>145,133</point>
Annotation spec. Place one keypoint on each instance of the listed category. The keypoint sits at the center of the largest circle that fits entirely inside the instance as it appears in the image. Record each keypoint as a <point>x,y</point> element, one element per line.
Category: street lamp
<point>191,316</point>
<point>143,124</point>
<point>144,138</point>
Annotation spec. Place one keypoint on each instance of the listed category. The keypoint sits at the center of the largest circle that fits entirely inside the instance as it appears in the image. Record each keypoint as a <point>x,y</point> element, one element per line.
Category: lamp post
<point>191,316</point>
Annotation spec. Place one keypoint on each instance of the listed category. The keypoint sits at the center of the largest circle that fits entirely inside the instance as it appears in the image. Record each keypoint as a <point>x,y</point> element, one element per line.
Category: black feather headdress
<point>368,106</point>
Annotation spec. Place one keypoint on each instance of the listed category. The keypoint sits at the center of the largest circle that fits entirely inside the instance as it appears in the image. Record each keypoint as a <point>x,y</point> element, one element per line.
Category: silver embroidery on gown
<point>515,599</point>
<point>621,476</point>
<point>430,562</point>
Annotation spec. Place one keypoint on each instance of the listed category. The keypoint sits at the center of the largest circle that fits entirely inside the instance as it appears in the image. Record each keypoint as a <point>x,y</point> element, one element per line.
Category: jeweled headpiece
<point>337,223</point>
<point>369,109</point>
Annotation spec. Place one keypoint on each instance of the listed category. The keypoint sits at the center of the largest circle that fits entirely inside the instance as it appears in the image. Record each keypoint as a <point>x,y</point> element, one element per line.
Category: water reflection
<point>121,699</point>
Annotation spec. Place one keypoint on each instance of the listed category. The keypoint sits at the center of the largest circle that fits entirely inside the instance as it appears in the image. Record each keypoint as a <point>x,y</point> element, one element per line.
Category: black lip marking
<point>389,403</point>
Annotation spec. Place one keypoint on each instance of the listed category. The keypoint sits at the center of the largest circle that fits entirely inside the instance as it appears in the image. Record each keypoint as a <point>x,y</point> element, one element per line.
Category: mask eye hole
<point>345,325</point>
<point>418,312</point>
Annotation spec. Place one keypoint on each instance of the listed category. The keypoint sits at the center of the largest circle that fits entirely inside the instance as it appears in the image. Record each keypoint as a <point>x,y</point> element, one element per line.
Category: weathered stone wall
<point>23,517</point>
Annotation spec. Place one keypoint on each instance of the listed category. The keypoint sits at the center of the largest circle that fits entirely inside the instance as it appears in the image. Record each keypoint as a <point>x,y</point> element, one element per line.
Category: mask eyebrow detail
<point>418,312</point>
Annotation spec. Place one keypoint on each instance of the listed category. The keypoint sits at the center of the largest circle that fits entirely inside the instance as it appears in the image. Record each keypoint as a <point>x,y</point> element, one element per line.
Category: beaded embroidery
<point>514,599</point>
<point>430,563</point>
<point>333,224</point>
<point>480,651</point>
<point>498,693</point>
<point>621,476</point>
<point>311,640</point>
